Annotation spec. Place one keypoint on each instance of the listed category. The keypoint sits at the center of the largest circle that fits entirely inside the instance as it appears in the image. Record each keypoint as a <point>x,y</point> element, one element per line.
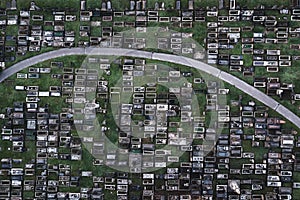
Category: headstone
<point>138,5</point>
<point>156,6</point>
<point>191,5</point>
<point>109,5</point>
<point>163,5</point>
<point>221,4</point>
<point>143,4</point>
<point>132,5</point>
<point>82,5</point>
<point>13,5</point>
<point>33,6</point>
<point>178,5</point>
<point>103,7</point>
<point>232,4</point>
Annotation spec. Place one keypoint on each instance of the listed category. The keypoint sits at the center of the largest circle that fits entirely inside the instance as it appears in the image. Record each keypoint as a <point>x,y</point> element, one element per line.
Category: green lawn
<point>66,4</point>
<point>267,3</point>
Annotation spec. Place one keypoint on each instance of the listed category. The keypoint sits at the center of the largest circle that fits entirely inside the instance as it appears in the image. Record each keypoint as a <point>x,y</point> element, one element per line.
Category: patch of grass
<point>96,31</point>
<point>205,3</point>
<point>9,95</point>
<point>237,163</point>
<point>12,30</point>
<point>259,152</point>
<point>237,49</point>
<point>113,133</point>
<point>53,4</point>
<point>28,194</point>
<point>93,4</point>
<point>296,178</point>
<point>268,3</point>
<point>108,194</point>
<point>199,33</point>
<point>247,60</point>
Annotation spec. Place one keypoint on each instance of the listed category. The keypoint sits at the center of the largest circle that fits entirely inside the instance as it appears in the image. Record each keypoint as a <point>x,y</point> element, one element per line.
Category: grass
<point>237,49</point>
<point>259,151</point>
<point>268,3</point>
<point>296,178</point>
<point>28,194</point>
<point>235,93</point>
<point>28,55</point>
<point>73,26</point>
<point>200,34</point>
<point>108,194</point>
<point>96,31</point>
<point>169,4</point>
<point>205,3</point>
<point>9,95</point>
<point>26,156</point>
<point>92,4</point>
<point>12,30</point>
<point>56,104</point>
<point>56,4</point>
<point>247,60</point>
<point>286,75</point>
<point>199,30</point>
<point>112,134</point>
<point>237,163</point>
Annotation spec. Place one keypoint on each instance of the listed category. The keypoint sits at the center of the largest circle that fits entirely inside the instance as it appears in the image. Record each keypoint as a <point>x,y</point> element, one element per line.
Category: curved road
<point>260,96</point>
